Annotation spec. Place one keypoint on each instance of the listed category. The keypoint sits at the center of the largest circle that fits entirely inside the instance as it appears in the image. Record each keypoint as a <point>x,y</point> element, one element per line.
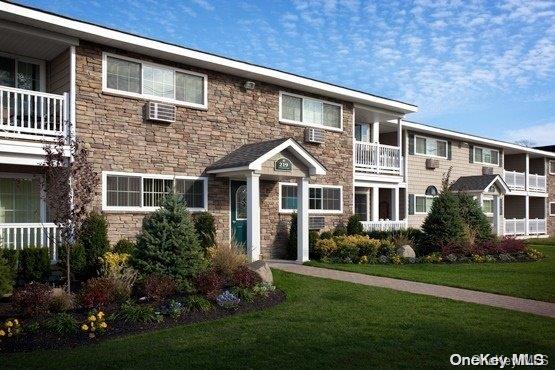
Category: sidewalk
<point>457,294</point>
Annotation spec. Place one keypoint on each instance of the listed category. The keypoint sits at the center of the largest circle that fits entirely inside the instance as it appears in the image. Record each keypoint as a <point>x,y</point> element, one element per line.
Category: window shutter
<point>449,150</point>
<point>411,144</point>
<point>471,154</point>
<point>411,204</point>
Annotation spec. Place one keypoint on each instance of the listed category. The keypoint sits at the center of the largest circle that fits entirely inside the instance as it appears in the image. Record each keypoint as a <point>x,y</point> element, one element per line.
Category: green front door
<point>239,211</point>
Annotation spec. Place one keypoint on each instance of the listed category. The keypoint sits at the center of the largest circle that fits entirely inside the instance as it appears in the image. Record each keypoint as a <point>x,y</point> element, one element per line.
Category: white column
<point>302,220</point>
<point>395,204</point>
<point>526,208</point>
<point>399,133</point>
<point>375,203</point>
<point>253,216</point>
<point>376,132</point>
<point>496,216</point>
<point>527,172</point>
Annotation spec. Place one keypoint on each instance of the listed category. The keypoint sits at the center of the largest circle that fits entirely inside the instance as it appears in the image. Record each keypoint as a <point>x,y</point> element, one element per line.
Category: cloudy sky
<point>485,67</point>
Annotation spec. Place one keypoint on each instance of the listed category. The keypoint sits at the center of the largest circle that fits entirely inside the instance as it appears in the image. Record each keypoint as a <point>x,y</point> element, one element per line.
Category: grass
<point>323,324</point>
<point>533,280</point>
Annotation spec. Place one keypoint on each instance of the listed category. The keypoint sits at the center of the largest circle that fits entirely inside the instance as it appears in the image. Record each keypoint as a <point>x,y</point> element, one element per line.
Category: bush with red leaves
<point>33,299</point>
<point>245,278</point>
<point>511,245</point>
<point>98,292</point>
<point>159,287</point>
<point>209,283</point>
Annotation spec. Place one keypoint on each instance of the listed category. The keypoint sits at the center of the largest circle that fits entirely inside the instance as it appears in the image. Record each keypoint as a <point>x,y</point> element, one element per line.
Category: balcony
<point>23,235</point>
<point>32,115</point>
<point>517,227</point>
<point>377,158</point>
<point>515,180</point>
<point>384,225</point>
<point>537,183</point>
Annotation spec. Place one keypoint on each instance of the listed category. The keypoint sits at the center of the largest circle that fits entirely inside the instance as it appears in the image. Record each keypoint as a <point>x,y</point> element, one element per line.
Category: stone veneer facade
<point>120,139</point>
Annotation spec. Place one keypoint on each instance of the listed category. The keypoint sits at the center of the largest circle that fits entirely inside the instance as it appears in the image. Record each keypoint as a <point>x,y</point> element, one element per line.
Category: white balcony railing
<point>384,225</point>
<point>23,235</point>
<point>32,113</point>
<point>515,226</point>
<point>536,183</point>
<point>536,226</point>
<point>377,158</point>
<point>515,180</point>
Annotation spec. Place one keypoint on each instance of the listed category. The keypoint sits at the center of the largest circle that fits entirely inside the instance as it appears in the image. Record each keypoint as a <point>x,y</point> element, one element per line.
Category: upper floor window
<point>552,167</point>
<point>362,132</point>
<point>430,147</point>
<point>20,73</point>
<point>321,198</point>
<point>137,192</point>
<point>140,79</point>
<point>301,110</point>
<point>485,155</point>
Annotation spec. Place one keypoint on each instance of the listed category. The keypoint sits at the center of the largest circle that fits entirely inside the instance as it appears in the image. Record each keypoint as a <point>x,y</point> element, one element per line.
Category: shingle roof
<point>246,154</point>
<point>473,183</point>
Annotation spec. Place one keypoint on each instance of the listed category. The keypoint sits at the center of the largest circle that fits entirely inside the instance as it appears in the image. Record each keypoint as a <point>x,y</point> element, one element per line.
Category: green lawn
<point>533,280</point>
<point>323,324</point>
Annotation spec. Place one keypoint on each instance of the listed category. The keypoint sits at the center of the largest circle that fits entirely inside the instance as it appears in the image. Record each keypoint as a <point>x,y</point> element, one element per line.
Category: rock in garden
<point>406,251</point>
<point>262,269</point>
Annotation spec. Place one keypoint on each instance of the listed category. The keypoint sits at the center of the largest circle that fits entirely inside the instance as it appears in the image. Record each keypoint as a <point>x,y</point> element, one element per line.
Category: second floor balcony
<point>377,158</point>
<point>516,181</point>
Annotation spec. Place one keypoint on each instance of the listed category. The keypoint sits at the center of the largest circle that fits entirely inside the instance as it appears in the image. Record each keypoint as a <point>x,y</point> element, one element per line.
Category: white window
<point>21,73</point>
<point>423,203</point>
<point>430,147</point>
<point>487,206</point>
<point>321,198</point>
<point>552,167</point>
<point>141,192</point>
<point>552,208</point>
<point>132,77</point>
<point>486,156</point>
<point>300,110</point>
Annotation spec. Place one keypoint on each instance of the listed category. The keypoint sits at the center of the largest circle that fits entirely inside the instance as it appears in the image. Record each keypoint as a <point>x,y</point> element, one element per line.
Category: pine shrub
<point>124,246</point>
<point>474,217</point>
<point>6,277</point>
<point>93,236</point>
<point>354,226</point>
<point>168,244</point>
<point>292,241</point>
<point>34,264</point>
<point>206,230</point>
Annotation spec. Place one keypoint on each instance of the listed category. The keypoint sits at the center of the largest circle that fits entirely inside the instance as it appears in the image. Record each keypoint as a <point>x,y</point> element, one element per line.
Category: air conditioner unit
<point>432,163</point>
<point>162,112</point>
<point>487,170</point>
<point>314,135</point>
<point>316,222</point>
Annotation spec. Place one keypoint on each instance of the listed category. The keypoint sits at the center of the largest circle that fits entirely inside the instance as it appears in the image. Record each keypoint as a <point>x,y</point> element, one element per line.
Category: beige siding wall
<point>419,178</point>
<point>59,74</point>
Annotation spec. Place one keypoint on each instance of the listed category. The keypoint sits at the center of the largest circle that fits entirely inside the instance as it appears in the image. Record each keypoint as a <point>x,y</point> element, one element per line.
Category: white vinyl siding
<point>135,78</point>
<point>321,198</point>
<point>142,192</point>
<point>296,109</point>
<point>486,156</point>
<point>430,147</point>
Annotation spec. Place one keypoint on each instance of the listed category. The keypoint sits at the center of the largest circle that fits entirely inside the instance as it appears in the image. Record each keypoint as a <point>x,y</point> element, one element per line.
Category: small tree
<point>93,237</point>
<point>6,277</point>
<point>292,240</point>
<point>354,226</point>
<point>206,230</point>
<point>474,217</point>
<point>70,184</point>
<point>168,244</point>
<point>444,225</point>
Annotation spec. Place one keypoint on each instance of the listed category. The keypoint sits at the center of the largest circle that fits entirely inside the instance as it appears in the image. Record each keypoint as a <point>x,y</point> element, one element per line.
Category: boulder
<point>262,269</point>
<point>406,251</point>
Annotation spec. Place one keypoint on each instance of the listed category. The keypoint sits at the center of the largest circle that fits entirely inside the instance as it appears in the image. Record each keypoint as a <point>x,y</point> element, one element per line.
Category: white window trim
<point>482,162</point>
<point>142,208</point>
<point>431,155</point>
<point>422,196</point>
<point>31,176</point>
<point>106,89</point>
<point>551,214</point>
<point>40,63</point>
<point>549,169</point>
<point>313,211</point>
<point>486,197</point>
<point>300,123</point>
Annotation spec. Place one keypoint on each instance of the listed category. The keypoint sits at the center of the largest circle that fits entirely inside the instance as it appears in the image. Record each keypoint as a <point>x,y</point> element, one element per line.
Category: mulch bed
<point>45,340</point>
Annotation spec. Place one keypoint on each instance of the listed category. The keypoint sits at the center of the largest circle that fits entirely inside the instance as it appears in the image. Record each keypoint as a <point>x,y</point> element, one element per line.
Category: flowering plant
<point>228,300</point>
<point>10,328</point>
<point>95,323</point>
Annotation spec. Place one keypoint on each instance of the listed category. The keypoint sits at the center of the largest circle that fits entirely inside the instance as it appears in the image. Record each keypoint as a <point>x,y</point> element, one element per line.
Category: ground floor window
<point>487,206</point>
<point>19,200</point>
<point>133,192</point>
<point>423,203</point>
<point>361,206</point>
<point>321,198</point>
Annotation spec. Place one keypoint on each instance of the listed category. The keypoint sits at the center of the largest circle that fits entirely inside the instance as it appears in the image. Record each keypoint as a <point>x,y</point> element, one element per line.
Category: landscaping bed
<point>51,340</point>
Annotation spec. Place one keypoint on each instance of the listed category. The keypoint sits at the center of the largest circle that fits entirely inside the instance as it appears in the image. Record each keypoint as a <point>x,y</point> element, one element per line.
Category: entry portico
<point>274,160</point>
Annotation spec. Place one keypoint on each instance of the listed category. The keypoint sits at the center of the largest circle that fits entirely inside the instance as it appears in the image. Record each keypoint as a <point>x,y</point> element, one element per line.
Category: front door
<point>239,211</point>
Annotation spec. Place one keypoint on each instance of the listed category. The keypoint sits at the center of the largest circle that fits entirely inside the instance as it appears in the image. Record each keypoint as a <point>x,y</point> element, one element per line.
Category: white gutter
<point>106,36</point>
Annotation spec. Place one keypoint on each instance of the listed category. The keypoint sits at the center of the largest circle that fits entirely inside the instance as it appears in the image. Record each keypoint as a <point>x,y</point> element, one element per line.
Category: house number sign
<point>283,164</point>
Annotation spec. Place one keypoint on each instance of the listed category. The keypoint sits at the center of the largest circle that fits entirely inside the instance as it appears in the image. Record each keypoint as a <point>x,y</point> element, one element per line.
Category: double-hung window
<point>423,203</point>
<point>321,198</point>
<point>306,111</point>
<point>147,80</point>
<point>486,156</point>
<point>430,146</point>
<point>487,206</point>
<point>142,192</point>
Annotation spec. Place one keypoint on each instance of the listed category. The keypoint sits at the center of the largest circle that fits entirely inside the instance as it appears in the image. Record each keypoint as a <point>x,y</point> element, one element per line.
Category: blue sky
<point>482,67</point>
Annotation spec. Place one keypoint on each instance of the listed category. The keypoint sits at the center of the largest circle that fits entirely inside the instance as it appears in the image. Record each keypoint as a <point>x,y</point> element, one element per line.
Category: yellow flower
<point>92,318</point>
<point>100,315</point>
<point>103,325</point>
<point>16,322</point>
<point>2,333</point>
<point>84,327</point>
<point>9,324</point>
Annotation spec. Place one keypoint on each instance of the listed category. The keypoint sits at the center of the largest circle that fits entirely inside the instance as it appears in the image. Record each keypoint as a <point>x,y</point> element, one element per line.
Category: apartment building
<point>249,144</point>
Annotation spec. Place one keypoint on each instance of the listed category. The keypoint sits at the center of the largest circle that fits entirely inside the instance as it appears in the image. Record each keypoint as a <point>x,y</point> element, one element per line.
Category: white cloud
<point>204,4</point>
<point>541,134</point>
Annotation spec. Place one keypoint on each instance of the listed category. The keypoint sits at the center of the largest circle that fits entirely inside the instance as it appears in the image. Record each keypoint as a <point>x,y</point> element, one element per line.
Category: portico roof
<point>252,156</point>
<point>478,183</point>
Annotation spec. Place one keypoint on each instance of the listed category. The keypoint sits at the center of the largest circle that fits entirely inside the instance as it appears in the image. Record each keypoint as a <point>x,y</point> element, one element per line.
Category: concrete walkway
<point>457,294</point>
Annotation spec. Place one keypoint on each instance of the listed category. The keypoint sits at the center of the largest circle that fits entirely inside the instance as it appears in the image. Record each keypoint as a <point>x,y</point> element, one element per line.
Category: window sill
<point>430,156</point>
<point>296,123</point>
<point>311,212</point>
<point>154,98</point>
<point>145,210</point>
